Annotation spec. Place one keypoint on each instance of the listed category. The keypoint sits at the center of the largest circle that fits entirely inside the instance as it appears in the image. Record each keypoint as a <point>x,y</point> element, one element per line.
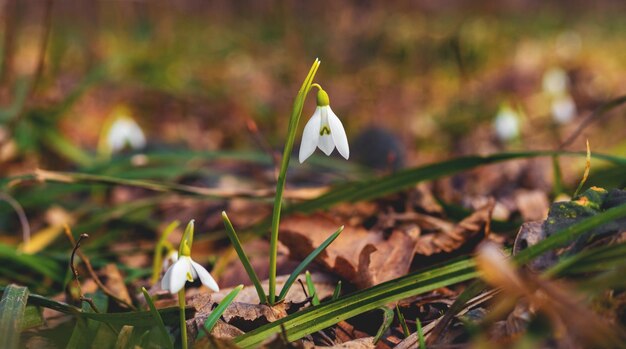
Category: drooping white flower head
<point>506,124</point>
<point>323,130</point>
<point>563,109</point>
<point>185,269</point>
<point>124,131</point>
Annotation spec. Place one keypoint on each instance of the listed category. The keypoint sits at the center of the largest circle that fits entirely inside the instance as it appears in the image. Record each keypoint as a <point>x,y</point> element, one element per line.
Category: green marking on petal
<point>325,130</point>
<point>189,277</point>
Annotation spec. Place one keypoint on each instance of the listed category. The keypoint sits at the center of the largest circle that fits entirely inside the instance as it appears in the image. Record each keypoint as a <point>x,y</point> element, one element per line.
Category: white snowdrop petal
<point>326,144</point>
<point>165,282</point>
<point>338,134</point>
<point>136,137</point>
<point>310,136</point>
<point>125,131</point>
<point>179,274</point>
<point>205,277</point>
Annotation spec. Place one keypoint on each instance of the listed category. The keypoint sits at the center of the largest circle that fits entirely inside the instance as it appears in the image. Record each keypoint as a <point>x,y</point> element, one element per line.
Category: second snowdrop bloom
<point>185,269</point>
<point>124,131</point>
<point>506,124</point>
<point>324,130</point>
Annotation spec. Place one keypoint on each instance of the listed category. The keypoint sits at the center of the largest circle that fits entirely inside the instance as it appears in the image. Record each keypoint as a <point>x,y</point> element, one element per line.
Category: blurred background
<point>87,86</point>
<point>434,74</point>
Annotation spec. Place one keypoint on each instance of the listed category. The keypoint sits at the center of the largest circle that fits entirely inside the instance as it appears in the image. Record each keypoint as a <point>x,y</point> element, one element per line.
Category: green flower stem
<point>183,322</point>
<point>280,183</point>
<point>157,264</point>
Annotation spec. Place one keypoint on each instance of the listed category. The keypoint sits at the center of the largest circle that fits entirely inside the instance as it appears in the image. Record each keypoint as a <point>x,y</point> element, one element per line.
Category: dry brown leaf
<point>361,343</point>
<point>570,317</point>
<point>364,258</point>
<point>114,281</point>
<point>346,332</point>
<point>211,342</point>
<point>246,313</point>
<point>448,240</point>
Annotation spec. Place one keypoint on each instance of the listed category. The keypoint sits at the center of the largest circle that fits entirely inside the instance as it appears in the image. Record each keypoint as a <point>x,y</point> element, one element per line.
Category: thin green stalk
<point>311,289</point>
<point>387,321</point>
<point>158,251</point>
<point>558,176</point>
<point>420,334</point>
<point>402,321</point>
<point>337,290</point>
<point>280,183</point>
<point>183,322</point>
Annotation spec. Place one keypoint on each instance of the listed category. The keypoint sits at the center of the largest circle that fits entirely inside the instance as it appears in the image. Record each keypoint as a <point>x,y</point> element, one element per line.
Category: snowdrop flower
<point>506,124</point>
<point>125,131</point>
<point>185,269</point>
<point>563,109</point>
<point>555,82</point>
<point>324,130</point>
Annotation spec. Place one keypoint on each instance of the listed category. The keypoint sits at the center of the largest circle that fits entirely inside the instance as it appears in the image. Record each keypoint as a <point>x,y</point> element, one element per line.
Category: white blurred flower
<point>185,269</point>
<point>124,131</point>
<point>555,82</point>
<point>563,109</point>
<point>323,130</point>
<point>506,124</point>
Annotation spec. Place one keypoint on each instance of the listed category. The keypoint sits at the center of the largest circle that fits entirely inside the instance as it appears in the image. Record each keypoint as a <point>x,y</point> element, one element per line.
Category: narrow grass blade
<point>586,173</point>
<point>137,318</point>
<point>402,321</point>
<point>40,264</point>
<point>232,235</point>
<point>164,187</point>
<point>57,142</point>
<point>387,321</point>
<point>157,264</point>
<point>595,260</point>
<point>215,315</point>
<point>557,176</point>
<point>313,319</point>
<point>420,334</point>
<point>157,317</point>
<point>311,289</point>
<point>305,263</point>
<point>12,308</point>
<point>337,290</point>
<point>368,189</point>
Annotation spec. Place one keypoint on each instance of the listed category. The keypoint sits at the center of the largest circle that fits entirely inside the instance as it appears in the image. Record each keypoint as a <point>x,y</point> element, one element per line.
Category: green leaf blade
<point>215,315</point>
<point>12,308</point>
<point>234,239</point>
<point>306,262</point>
